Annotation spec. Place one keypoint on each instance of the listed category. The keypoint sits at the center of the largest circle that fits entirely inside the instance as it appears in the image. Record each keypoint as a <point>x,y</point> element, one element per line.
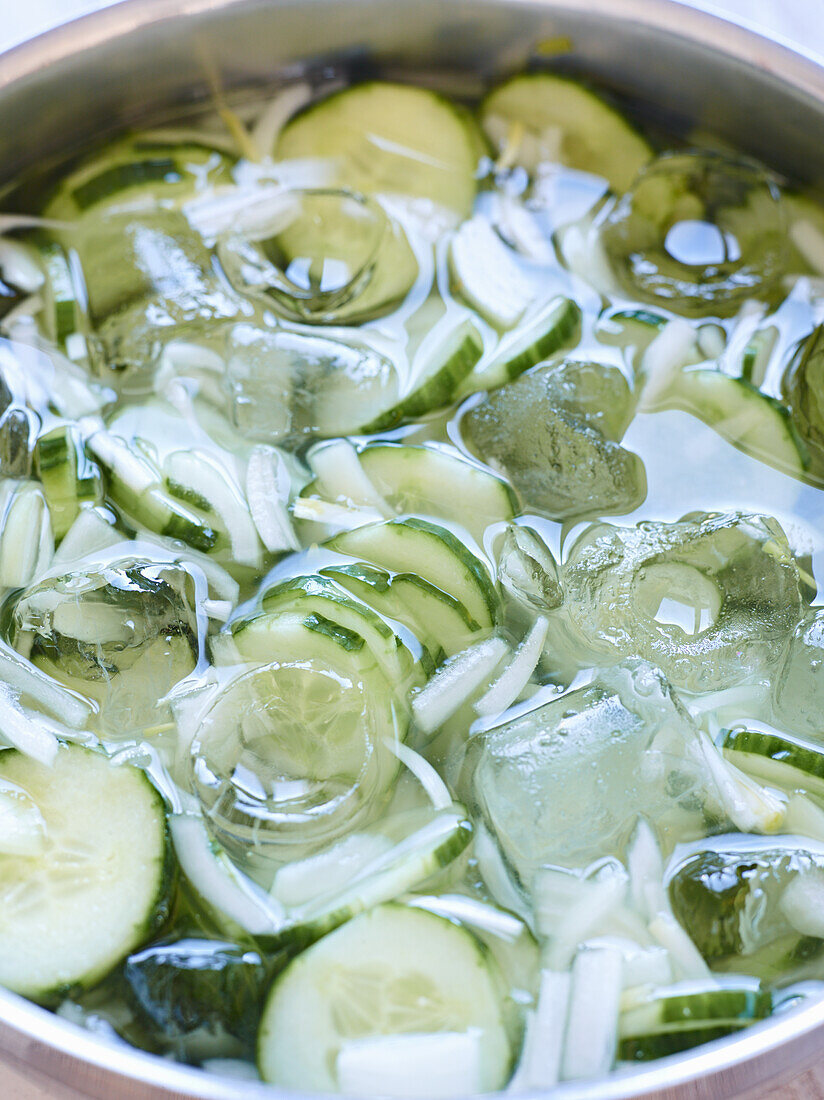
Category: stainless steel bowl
<point>143,58</point>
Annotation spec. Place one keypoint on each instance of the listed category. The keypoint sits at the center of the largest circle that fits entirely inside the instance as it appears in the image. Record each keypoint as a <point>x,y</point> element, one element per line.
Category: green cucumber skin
<point>468,561</point>
<point>647,1048</point>
<point>436,392</point>
<point>296,938</point>
<point>158,916</point>
<point>476,567</point>
<point>688,1011</point>
<point>805,759</point>
<point>553,340</point>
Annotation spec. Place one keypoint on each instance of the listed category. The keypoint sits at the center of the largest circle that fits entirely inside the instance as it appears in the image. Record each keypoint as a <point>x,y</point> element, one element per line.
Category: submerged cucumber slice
<point>97,888</point>
<point>390,139</point>
<point>555,327</point>
<point>775,759</point>
<point>69,478</point>
<point>435,482</point>
<point>138,172</point>
<point>318,595</point>
<point>388,874</point>
<point>562,122</point>
<point>752,421</point>
<point>646,1048</point>
<point>670,1010</point>
<point>439,621</point>
<point>61,307</point>
<point>439,368</point>
<point>393,971</point>
<point>415,546</point>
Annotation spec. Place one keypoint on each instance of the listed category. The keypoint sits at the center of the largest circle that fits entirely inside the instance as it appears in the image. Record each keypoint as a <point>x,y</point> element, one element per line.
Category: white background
<point>801,21</point>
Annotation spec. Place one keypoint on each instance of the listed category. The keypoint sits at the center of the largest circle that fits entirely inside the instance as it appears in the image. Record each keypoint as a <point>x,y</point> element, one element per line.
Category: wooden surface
<point>18,1083</point>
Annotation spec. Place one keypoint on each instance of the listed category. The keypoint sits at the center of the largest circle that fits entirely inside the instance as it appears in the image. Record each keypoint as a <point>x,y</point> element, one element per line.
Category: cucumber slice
<point>632,330</point>
<point>435,482</point>
<point>310,595</point>
<point>281,635</point>
<point>136,486</point>
<point>776,760</point>
<point>646,1048</point>
<point>138,172</point>
<point>439,621</point>
<point>671,1010</point>
<point>62,313</point>
<point>562,122</point>
<point>555,327</point>
<point>392,971</point>
<point>752,421</point>
<point>486,274</point>
<point>194,476</point>
<point>438,614</point>
<point>106,859</point>
<point>69,478</point>
<point>442,363</point>
<point>757,354</point>
<point>390,873</point>
<point>415,546</point>
<point>389,139</point>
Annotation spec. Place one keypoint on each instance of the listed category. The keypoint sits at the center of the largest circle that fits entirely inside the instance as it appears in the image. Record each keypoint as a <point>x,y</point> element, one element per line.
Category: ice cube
<point>598,393</point>
<point>287,385</point>
<point>799,691</point>
<point>564,784</point>
<point>698,232</point>
<point>121,634</point>
<point>148,279</point>
<point>559,462</point>
<point>527,571</point>
<point>712,599</point>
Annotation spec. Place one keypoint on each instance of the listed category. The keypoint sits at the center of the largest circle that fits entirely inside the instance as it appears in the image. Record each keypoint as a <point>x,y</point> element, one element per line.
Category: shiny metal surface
<point>142,58</point>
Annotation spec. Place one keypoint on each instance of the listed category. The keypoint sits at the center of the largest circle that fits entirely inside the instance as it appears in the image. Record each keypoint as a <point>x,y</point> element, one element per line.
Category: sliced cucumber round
<point>775,759</point>
<point>393,971</point>
<point>135,485</point>
<point>670,1010</point>
<point>435,482</point>
<point>554,328</point>
<point>439,621</point>
<point>140,171</point>
<point>62,311</point>
<point>390,872</point>
<point>390,139</point>
<point>416,546</point>
<point>69,478</point>
<point>646,1048</point>
<point>438,614</point>
<point>441,364</point>
<point>98,887</point>
<point>752,421</point>
<point>563,122</point>
<point>314,594</point>
<point>485,272</point>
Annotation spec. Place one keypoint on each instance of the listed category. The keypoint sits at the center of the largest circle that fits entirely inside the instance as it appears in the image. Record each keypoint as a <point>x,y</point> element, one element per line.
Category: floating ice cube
<point>288,385</point>
<point>560,463</point>
<point>711,599</point>
<point>799,691</point>
<point>564,784</point>
<point>122,635</point>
